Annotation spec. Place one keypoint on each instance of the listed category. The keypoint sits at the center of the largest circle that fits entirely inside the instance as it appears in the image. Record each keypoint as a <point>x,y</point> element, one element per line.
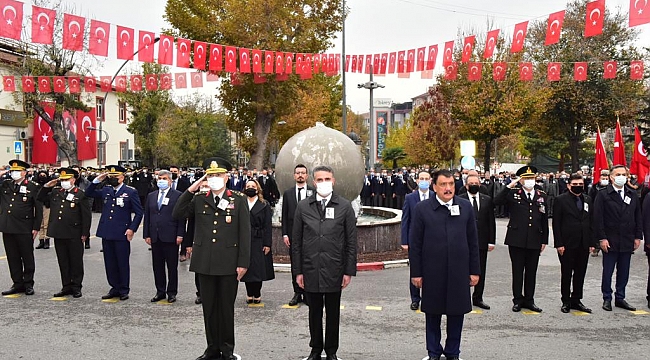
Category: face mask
<point>16,175</point>
<point>216,183</point>
<point>620,180</point>
<point>113,181</point>
<point>604,182</point>
<point>174,176</point>
<point>423,185</point>
<point>577,189</point>
<point>324,188</point>
<point>250,192</point>
<point>473,189</point>
<point>144,171</point>
<point>192,174</point>
<point>529,184</point>
<point>66,185</point>
<point>162,184</point>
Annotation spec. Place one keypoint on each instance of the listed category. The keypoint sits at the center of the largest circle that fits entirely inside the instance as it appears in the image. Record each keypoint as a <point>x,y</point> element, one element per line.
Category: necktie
<point>530,197</point>
<point>620,193</point>
<point>323,204</point>
<point>299,194</point>
<point>475,206</point>
<point>579,203</point>
<point>422,197</point>
<point>160,199</point>
<point>174,185</point>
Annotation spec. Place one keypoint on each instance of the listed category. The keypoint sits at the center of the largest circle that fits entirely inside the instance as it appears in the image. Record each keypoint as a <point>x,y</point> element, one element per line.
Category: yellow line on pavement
<point>2,257</point>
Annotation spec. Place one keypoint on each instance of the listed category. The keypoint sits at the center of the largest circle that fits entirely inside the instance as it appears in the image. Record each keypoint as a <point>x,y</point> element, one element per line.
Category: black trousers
<point>165,254</point>
<point>70,255</point>
<point>648,287</point>
<point>524,272</point>
<point>399,202</point>
<point>218,294</point>
<point>254,289</point>
<point>19,249</point>
<point>296,289</point>
<point>332,303</point>
<point>573,266</point>
<point>477,295</point>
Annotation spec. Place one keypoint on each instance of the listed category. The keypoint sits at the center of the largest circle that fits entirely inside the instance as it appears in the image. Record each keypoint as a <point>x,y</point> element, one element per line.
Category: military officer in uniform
<point>69,226</point>
<point>116,227</point>
<point>20,220</point>
<point>220,252</point>
<point>527,234</point>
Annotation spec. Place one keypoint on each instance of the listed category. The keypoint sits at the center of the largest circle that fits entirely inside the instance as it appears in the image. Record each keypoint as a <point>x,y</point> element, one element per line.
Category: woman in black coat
<point>261,265</point>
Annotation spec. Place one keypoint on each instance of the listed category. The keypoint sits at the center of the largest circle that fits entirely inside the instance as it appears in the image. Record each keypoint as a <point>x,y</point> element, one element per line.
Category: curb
<point>372,266</point>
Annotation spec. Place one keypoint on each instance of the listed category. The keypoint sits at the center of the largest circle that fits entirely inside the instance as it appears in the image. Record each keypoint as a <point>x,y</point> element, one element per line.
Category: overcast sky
<point>373,26</point>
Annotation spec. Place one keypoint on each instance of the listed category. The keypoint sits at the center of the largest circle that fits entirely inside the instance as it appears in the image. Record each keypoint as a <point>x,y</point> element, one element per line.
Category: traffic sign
<point>468,162</point>
<point>18,147</point>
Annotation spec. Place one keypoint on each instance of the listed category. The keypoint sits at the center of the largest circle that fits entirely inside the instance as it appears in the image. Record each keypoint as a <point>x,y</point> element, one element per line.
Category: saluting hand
<point>51,183</point>
<point>101,177</point>
<point>197,184</point>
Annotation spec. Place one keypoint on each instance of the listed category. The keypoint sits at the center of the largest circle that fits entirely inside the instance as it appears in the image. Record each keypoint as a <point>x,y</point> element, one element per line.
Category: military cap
<point>115,170</point>
<point>18,165</point>
<point>216,165</point>
<point>67,173</point>
<point>527,172</point>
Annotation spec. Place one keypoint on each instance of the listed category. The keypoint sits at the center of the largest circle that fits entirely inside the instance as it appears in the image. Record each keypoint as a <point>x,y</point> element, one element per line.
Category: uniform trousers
<point>454,331</point>
<point>42,234</point>
<point>477,295</point>
<point>524,272</point>
<point>70,255</point>
<point>19,249</point>
<point>218,294</point>
<point>332,303</point>
<point>116,262</point>
<point>254,289</point>
<point>573,266</point>
<point>165,254</point>
<point>620,261</point>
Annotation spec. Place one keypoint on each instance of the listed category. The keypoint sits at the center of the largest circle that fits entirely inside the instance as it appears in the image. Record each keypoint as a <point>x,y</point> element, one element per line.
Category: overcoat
<point>618,220</point>
<point>261,266</point>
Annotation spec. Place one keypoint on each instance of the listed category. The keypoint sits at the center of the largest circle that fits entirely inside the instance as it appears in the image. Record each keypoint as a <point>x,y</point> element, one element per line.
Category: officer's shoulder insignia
<point>235,192</point>
<point>129,186</point>
<point>541,192</point>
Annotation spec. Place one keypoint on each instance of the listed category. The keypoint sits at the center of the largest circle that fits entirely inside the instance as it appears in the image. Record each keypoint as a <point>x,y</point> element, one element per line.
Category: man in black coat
<point>487,231</point>
<point>366,191</point>
<point>377,188</point>
<point>179,183</point>
<point>618,227</point>
<point>269,187</point>
<point>324,258</point>
<point>573,241</point>
<point>143,182</point>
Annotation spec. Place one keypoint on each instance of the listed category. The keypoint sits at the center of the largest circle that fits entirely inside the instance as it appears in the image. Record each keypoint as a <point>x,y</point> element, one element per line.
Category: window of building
<point>29,149</point>
<point>99,105</point>
<point>121,106</point>
<point>124,150</point>
<point>101,154</point>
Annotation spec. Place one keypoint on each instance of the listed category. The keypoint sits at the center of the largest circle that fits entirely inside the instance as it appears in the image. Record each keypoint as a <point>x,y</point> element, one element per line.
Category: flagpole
<point>345,108</point>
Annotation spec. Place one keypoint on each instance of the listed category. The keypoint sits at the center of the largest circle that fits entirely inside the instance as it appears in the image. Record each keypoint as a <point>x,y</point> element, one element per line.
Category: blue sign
<point>468,162</point>
<point>18,147</point>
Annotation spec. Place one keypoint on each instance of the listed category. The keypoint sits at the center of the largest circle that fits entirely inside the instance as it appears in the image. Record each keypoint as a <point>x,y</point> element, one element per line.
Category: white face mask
<point>66,185</point>
<point>620,180</point>
<point>324,188</point>
<point>604,182</point>
<point>16,175</point>
<point>529,184</point>
<point>216,183</point>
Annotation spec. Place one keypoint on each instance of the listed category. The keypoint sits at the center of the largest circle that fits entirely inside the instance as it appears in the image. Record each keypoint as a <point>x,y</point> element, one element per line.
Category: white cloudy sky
<point>373,26</point>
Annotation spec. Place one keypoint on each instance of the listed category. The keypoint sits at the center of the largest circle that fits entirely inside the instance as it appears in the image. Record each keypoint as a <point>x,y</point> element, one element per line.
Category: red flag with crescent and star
<point>125,43</point>
<point>640,164</point>
<point>43,25</point>
<point>619,146</point>
<point>554,27</point>
<point>639,12</point>
<point>166,50</point>
<point>600,161</point>
<point>519,37</point>
<point>45,148</point>
<point>86,139</point>
<point>183,52</point>
<point>145,46</point>
<point>595,18</point>
<point>98,42</point>
<point>200,55</point>
<point>11,24</point>
<point>73,32</point>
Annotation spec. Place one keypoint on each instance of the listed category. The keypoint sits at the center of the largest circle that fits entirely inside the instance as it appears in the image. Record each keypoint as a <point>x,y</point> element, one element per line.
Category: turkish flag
<point>640,165</point>
<point>28,84</point>
<point>73,32</point>
<point>98,42</point>
<point>244,60</point>
<point>288,63</point>
<point>200,51</point>
<point>636,70</point>
<point>216,58</point>
<point>87,141</point>
<point>337,63</point>
<point>183,53</point>
<point>519,37</point>
<point>120,83</point>
<point>554,71</point>
<point>211,76</point>
<point>165,81</point>
<point>136,82</point>
<point>307,65</point>
<point>281,77</point>
<point>45,148</point>
<point>235,79</point>
<point>526,71</point>
<point>383,63</point>
<point>600,161</point>
<point>269,56</point>
<point>44,85</point>
<point>317,63</point>
<point>426,74</point>
<point>59,84</point>
<point>451,71</point>
<point>197,80</point>
<point>431,58</point>
<point>368,64</point>
<point>474,71</point>
<point>279,63</point>
<point>90,84</point>
<point>231,59</point>
<point>580,71</point>
<point>74,84</point>
<point>299,63</point>
<point>595,18</point>
<point>554,27</point>
<point>9,82</point>
<point>11,24</point>
<point>151,82</point>
<point>401,62</point>
<point>257,61</point>
<point>490,43</point>
<point>410,61</point>
<point>261,79</point>
<point>609,69</point>
<point>166,50</point>
<point>181,80</point>
<point>125,43</point>
<point>42,25</point>
<point>499,71</point>
<point>392,62</point>
<point>639,12</point>
<point>376,58</point>
<point>448,55</point>
<point>145,52</point>
<point>468,47</point>
<point>347,63</point>
<point>420,62</point>
<point>619,147</point>
<point>105,83</point>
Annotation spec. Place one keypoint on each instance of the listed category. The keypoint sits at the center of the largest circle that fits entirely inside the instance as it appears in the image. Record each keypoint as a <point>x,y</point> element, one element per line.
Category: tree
<point>399,137</point>
<point>279,25</point>
<point>575,108</point>
<point>393,154</point>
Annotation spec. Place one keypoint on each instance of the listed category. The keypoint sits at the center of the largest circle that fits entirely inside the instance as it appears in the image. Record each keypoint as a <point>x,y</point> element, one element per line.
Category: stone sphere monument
<point>320,145</point>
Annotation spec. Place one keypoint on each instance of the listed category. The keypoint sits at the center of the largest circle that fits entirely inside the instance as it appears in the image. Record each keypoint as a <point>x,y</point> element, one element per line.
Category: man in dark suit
<point>487,231</point>
<point>116,227</point>
<point>179,183</point>
<point>164,234</point>
<point>573,240</point>
<point>20,219</point>
<point>235,181</point>
<point>269,187</point>
<point>618,227</point>
<point>376,188</point>
<point>290,200</point>
<point>444,263</point>
<point>366,191</point>
<point>411,200</point>
<point>69,226</point>
<point>143,182</point>
<point>221,252</point>
<point>527,234</point>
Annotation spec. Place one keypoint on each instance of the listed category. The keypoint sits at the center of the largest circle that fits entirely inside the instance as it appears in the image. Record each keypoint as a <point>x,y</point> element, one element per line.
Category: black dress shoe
<point>171,298</point>
<point>109,296</point>
<point>532,307</point>
<point>207,356</point>
<point>437,357</point>
<point>516,307</point>
<point>29,291</point>
<point>565,308</point>
<point>158,297</point>
<point>415,305</point>
<point>124,297</point>
<point>580,307</point>
<point>314,356</point>
<point>618,303</point>
<point>607,305</point>
<point>62,293</point>
<point>649,304</point>
<point>76,294</point>
<point>87,246</point>
<point>452,358</point>
<point>198,300</point>
<point>12,291</point>
<point>331,357</point>
<point>295,299</point>
<point>481,304</point>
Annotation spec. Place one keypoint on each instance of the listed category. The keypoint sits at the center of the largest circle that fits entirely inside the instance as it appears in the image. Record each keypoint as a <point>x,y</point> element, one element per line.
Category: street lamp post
<point>345,107</point>
<point>371,85</point>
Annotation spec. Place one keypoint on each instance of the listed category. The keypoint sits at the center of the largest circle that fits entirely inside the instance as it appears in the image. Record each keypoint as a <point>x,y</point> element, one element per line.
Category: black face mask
<point>42,179</point>
<point>578,189</point>
<point>250,192</point>
<point>113,181</point>
<point>174,176</point>
<point>473,189</point>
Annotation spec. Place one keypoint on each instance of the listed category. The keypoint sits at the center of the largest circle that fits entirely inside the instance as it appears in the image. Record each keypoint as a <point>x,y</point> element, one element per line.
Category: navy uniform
<point>222,245</point>
<point>69,226</point>
<point>119,201</point>
<point>526,236</point>
<point>20,219</point>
